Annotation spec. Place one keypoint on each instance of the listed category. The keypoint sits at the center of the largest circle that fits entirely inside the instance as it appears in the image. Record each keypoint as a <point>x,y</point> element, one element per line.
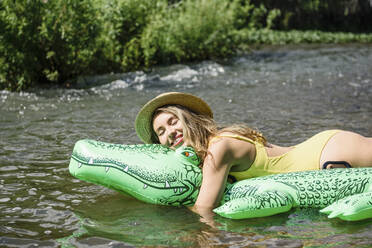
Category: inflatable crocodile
<point>151,173</point>
<point>160,175</point>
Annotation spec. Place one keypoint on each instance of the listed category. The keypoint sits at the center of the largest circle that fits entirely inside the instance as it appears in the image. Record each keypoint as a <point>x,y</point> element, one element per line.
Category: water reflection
<point>287,93</point>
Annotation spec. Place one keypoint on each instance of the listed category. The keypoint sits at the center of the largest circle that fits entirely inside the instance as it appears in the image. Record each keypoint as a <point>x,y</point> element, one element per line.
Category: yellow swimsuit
<point>304,156</point>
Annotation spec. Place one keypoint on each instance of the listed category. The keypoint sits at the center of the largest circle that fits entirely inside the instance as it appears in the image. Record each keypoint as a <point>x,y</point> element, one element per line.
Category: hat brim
<point>143,123</point>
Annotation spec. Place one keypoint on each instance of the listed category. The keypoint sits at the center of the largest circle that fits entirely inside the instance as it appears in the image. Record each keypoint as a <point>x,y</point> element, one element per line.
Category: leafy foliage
<point>325,15</point>
<point>53,42</point>
<point>46,41</point>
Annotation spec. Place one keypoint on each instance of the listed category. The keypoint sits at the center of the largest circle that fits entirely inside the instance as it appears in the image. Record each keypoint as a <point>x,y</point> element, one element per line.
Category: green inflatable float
<point>159,175</point>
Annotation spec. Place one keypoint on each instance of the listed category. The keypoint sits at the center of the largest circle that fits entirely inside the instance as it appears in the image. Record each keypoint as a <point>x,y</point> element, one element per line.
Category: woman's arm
<point>222,155</point>
<point>216,168</point>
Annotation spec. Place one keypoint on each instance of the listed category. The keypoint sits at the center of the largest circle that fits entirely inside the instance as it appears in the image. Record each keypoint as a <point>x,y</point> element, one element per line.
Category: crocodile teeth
<point>167,184</point>
<point>79,165</point>
<point>145,186</point>
<point>90,161</point>
<point>126,168</point>
<point>175,190</point>
<point>107,169</point>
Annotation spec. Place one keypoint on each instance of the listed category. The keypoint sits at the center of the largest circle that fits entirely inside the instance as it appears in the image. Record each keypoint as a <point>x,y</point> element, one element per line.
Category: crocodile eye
<point>187,154</point>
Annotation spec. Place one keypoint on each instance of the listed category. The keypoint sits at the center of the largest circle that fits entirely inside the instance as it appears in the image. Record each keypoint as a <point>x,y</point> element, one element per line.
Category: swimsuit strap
<point>344,163</point>
<point>235,136</point>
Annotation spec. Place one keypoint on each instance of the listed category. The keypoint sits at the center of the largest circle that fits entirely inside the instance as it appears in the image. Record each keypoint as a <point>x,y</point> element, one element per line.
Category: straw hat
<point>143,122</point>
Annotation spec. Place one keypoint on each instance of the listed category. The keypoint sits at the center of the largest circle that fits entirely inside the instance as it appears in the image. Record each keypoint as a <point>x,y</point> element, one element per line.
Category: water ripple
<point>288,93</point>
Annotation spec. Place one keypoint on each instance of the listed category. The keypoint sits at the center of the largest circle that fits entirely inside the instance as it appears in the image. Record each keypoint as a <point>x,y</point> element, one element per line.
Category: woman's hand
<point>206,215</point>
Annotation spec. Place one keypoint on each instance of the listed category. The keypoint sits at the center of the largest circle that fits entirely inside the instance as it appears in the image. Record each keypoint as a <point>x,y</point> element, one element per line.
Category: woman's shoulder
<point>230,148</point>
<point>229,141</point>
<point>230,137</point>
<point>220,139</point>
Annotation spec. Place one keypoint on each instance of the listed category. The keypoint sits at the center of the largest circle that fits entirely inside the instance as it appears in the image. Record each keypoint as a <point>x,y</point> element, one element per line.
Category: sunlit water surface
<point>287,93</point>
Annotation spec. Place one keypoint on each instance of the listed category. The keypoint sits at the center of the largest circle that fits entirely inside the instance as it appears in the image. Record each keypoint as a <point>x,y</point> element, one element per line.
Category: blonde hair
<point>198,129</point>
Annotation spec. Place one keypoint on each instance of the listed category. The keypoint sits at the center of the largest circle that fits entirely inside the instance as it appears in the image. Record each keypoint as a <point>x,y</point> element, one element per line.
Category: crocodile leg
<point>257,205</point>
<point>351,208</point>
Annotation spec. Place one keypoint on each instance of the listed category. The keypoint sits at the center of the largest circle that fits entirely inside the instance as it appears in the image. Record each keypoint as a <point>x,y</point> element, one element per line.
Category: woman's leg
<point>350,147</point>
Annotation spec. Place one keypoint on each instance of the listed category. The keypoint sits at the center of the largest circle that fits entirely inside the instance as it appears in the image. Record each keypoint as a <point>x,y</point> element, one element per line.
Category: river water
<point>288,93</point>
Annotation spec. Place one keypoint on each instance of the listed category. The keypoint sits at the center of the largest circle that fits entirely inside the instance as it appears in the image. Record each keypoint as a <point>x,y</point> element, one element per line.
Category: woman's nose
<point>172,132</point>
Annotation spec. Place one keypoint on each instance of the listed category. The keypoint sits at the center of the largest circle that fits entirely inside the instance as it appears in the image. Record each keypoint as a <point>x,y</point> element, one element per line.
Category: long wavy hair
<point>198,129</point>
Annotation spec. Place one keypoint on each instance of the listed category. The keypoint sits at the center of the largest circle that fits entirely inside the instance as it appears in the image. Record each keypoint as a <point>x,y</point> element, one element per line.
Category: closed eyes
<point>160,132</point>
<point>172,121</point>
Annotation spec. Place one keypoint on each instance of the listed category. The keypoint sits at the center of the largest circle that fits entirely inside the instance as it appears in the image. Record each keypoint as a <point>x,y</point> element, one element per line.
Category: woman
<point>175,119</point>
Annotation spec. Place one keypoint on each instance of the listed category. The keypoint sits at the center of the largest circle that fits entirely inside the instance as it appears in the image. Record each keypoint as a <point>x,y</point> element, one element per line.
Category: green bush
<point>276,37</point>
<point>123,24</point>
<point>325,15</point>
<point>194,30</point>
<point>46,41</point>
<point>189,31</point>
<point>53,42</point>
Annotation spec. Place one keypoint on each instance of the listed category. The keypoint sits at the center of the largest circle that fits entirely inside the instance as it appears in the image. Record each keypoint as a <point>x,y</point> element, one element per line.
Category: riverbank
<point>56,42</point>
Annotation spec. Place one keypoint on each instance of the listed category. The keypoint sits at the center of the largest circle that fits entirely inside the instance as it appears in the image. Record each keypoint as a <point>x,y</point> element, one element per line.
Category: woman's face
<point>169,130</point>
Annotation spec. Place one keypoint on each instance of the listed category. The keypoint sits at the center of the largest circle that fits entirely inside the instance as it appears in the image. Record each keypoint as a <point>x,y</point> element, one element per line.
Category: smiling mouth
<point>178,140</point>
